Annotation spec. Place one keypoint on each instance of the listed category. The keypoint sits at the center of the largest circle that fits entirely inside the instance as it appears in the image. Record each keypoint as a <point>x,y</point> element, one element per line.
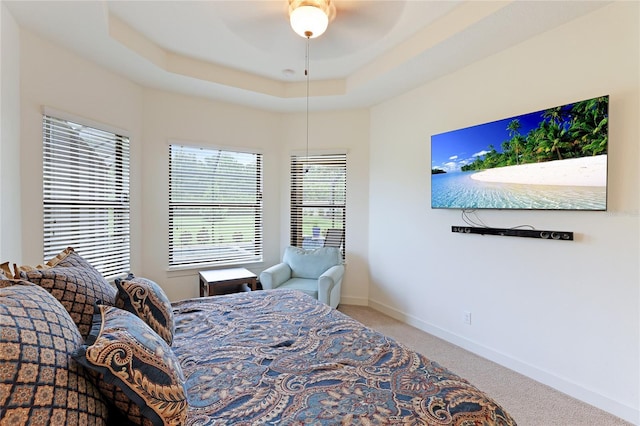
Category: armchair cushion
<point>310,263</point>
<point>305,285</point>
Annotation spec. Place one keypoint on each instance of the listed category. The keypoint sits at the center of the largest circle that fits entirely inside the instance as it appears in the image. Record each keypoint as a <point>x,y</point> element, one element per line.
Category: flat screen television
<point>552,159</point>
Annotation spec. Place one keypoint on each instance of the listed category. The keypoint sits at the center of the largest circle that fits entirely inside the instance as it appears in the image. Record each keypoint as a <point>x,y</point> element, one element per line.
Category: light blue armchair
<point>317,272</point>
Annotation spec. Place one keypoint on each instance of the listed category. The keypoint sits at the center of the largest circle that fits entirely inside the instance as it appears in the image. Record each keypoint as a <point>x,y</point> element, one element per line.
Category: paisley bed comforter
<point>281,357</point>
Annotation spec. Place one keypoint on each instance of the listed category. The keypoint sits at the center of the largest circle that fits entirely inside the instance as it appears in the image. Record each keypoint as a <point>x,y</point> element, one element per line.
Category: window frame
<point>86,206</point>
<point>298,163</point>
<point>254,247</point>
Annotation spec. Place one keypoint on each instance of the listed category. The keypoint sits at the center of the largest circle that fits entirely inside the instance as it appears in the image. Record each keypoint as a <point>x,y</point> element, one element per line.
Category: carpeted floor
<point>529,402</point>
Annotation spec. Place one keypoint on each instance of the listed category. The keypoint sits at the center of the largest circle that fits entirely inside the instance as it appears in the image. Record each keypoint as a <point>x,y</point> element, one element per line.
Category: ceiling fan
<point>352,23</point>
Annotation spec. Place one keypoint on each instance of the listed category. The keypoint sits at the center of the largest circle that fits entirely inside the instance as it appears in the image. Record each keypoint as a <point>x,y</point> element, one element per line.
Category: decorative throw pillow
<point>147,301</point>
<point>39,381</point>
<point>69,257</point>
<point>5,271</point>
<point>136,364</point>
<point>76,284</point>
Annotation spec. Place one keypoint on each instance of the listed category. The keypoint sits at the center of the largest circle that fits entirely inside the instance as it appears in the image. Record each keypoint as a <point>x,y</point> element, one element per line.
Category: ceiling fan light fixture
<point>310,18</point>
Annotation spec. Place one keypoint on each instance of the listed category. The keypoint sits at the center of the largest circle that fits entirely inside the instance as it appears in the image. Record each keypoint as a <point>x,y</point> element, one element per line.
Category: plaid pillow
<point>76,284</point>
<point>39,381</point>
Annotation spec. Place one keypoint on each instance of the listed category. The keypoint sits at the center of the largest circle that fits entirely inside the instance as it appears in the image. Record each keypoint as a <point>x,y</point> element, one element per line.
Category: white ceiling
<point>245,51</point>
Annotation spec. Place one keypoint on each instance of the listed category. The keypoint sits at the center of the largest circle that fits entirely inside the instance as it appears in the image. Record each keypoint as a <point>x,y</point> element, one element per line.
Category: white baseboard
<point>561,384</point>
<point>358,301</point>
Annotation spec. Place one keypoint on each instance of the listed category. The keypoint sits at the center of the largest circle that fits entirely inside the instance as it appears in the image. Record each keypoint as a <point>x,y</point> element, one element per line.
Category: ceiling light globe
<point>309,21</point>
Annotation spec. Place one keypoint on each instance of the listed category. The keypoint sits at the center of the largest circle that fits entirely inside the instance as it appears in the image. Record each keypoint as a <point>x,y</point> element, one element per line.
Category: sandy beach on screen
<point>584,171</point>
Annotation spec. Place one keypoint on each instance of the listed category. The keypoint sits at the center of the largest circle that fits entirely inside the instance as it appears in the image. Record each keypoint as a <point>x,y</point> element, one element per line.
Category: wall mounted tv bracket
<point>514,232</point>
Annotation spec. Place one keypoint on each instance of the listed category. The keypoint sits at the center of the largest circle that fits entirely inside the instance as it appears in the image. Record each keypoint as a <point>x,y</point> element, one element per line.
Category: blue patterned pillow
<point>137,365</point>
<point>39,381</point>
<point>147,301</point>
<point>75,283</point>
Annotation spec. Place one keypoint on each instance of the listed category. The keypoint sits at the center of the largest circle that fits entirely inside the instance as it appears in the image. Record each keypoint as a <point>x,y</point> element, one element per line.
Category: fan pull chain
<point>306,73</point>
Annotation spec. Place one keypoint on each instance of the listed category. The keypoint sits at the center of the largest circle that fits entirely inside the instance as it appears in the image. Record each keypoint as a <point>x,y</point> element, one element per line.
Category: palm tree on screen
<point>516,139</point>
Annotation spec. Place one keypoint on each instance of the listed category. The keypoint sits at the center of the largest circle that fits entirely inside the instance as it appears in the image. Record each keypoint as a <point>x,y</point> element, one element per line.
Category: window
<point>86,194</point>
<point>215,206</point>
<point>318,198</point>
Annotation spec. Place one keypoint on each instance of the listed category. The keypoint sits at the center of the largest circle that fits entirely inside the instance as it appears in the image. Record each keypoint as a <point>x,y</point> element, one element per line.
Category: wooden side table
<point>225,278</point>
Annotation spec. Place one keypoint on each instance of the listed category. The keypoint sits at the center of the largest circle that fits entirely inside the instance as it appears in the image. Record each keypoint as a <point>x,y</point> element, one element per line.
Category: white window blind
<point>318,198</point>
<point>86,194</point>
<point>215,207</point>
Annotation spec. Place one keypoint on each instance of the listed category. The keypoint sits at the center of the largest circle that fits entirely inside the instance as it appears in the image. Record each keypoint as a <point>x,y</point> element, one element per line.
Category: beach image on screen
<point>553,159</point>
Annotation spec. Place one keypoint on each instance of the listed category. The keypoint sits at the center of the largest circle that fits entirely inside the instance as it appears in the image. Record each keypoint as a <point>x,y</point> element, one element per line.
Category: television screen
<point>553,159</point>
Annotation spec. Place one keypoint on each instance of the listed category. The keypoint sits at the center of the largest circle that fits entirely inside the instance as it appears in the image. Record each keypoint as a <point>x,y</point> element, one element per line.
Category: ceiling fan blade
<point>358,23</point>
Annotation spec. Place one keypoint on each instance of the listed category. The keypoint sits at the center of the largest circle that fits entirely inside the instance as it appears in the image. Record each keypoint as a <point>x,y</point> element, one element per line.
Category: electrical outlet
<point>467,317</point>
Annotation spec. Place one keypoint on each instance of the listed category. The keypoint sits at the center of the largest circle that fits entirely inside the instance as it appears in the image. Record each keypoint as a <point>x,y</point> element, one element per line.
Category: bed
<point>77,350</point>
<point>281,357</point>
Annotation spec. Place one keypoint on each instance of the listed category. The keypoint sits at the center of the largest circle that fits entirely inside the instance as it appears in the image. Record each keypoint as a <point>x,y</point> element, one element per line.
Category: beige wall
<point>10,238</point>
<point>338,130</point>
<point>565,313</point>
<point>153,118</point>
<point>56,78</point>
<point>170,117</point>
